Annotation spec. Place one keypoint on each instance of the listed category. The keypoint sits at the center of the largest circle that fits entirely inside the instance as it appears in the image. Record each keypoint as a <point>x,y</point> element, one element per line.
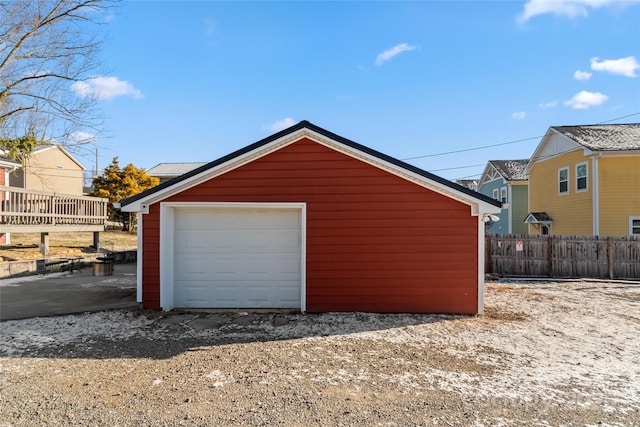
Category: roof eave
<point>479,203</point>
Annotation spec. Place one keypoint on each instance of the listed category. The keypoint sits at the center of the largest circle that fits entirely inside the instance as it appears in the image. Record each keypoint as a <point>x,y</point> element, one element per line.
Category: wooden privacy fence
<point>593,257</point>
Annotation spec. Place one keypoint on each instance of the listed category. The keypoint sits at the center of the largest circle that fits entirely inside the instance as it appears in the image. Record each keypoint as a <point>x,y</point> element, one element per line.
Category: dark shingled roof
<point>173,169</point>
<point>616,137</point>
<point>538,217</point>
<point>7,160</point>
<point>471,184</point>
<point>305,124</point>
<point>511,170</point>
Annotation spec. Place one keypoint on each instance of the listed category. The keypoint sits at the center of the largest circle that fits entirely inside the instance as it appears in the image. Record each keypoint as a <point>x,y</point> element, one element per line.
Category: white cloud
<point>281,124</point>
<point>568,8</point>
<point>394,51</point>
<point>551,104</point>
<point>105,88</point>
<point>519,115</point>
<point>625,66</point>
<point>581,75</point>
<point>584,100</point>
<point>82,138</point>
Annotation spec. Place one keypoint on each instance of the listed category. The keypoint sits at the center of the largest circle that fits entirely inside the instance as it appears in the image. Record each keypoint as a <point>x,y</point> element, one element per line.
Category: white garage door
<point>237,258</point>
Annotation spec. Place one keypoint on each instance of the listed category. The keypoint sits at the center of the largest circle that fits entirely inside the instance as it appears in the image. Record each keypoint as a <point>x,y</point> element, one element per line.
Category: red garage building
<point>306,219</point>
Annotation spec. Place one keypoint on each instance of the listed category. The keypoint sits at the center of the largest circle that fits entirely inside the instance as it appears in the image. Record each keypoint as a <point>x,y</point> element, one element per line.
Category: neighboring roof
<point>471,184</point>
<point>507,170</point>
<point>538,218</point>
<point>292,134</point>
<point>7,162</point>
<point>511,170</point>
<point>614,139</point>
<point>173,169</point>
<point>604,137</point>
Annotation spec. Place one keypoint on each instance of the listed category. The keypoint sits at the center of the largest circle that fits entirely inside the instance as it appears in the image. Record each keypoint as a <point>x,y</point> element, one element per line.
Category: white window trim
<point>496,194</point>
<point>631,219</point>
<point>506,195</point>
<point>568,181</point>
<point>586,165</point>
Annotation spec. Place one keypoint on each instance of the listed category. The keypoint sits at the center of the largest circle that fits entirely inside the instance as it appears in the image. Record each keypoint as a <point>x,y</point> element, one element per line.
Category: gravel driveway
<point>544,354</point>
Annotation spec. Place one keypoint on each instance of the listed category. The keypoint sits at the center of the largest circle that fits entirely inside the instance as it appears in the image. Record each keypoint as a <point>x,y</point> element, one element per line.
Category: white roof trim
<point>46,147</point>
<point>535,157</point>
<point>477,206</point>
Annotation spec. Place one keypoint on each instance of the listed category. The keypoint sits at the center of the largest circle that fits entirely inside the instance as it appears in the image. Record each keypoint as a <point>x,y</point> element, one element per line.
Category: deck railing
<point>28,210</point>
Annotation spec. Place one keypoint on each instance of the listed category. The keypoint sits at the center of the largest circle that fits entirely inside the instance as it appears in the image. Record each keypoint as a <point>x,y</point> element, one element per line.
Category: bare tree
<point>45,47</point>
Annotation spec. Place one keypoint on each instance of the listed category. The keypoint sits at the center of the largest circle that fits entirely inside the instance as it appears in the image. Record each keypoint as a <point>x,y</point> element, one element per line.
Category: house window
<point>563,180</point>
<point>634,225</point>
<point>503,194</point>
<point>581,177</point>
<point>495,193</point>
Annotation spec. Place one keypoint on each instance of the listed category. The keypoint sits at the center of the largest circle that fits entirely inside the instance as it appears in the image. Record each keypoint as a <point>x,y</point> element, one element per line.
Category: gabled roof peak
<point>511,170</point>
<point>322,136</point>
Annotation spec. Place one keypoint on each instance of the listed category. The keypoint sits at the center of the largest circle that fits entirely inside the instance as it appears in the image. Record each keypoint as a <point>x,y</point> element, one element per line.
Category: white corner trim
<point>481,250</point>
<point>595,195</point>
<point>139,259</point>
<point>166,257</point>
<point>167,218</point>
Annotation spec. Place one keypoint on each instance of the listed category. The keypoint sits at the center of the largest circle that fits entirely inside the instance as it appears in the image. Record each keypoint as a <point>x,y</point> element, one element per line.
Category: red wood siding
<point>375,242</point>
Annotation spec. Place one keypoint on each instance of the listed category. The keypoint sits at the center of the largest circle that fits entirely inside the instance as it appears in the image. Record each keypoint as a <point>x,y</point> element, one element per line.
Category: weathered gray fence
<point>563,256</point>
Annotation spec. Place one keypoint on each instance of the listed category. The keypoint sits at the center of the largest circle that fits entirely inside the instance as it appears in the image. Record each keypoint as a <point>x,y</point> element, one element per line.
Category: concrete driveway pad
<point>65,293</point>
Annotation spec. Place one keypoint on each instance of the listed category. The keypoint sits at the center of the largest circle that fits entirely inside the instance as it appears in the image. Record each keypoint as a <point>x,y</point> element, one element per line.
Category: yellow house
<point>585,180</point>
<point>50,168</point>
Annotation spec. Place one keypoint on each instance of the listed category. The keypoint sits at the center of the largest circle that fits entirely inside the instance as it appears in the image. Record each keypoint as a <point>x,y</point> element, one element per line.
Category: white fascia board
<point>142,204</point>
<point>551,133</point>
<point>534,156</point>
<point>620,153</point>
<point>76,161</point>
<point>9,165</point>
<point>65,152</point>
<point>481,206</point>
<point>485,173</point>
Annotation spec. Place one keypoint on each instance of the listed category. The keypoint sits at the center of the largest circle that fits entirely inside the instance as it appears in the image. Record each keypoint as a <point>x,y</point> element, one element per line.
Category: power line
<point>473,149</point>
<point>548,156</point>
<point>506,143</point>
<point>457,167</point>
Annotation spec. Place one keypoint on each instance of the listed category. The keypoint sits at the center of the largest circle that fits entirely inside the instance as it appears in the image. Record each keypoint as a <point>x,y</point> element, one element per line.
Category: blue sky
<point>193,81</point>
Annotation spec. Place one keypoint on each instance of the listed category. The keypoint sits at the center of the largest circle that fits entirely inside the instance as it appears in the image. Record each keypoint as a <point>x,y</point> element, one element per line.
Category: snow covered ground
<point>568,346</point>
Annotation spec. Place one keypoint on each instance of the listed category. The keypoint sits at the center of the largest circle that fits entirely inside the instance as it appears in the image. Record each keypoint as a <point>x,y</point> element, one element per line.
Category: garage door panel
<point>209,241</point>
<point>193,294</point>
<point>237,258</point>
<point>193,268</point>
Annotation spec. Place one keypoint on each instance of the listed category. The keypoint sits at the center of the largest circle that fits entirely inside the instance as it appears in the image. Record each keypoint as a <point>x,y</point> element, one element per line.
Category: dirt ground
<point>25,245</point>
<point>543,354</point>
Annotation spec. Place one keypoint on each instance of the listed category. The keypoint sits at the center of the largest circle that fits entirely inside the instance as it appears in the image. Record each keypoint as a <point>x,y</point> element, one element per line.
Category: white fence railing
<point>27,210</point>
